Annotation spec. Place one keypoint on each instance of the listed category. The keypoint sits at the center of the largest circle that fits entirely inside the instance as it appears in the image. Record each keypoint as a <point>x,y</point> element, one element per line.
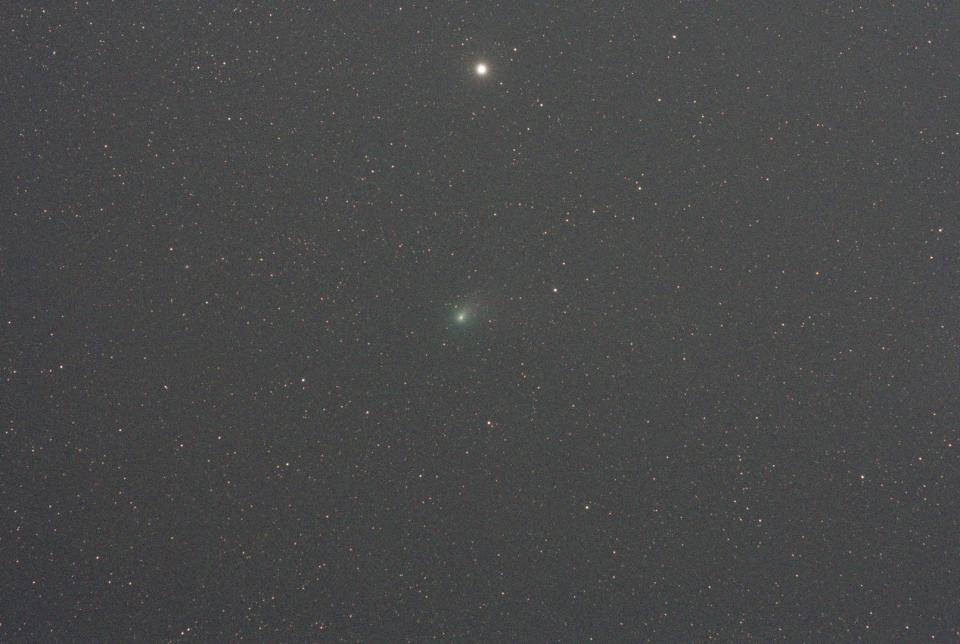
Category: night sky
<point>479,321</point>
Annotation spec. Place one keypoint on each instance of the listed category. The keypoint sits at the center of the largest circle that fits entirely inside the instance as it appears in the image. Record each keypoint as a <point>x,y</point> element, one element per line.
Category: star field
<point>480,322</point>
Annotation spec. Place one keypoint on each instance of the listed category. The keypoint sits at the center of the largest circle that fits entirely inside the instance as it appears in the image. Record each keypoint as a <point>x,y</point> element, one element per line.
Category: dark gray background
<point>708,388</point>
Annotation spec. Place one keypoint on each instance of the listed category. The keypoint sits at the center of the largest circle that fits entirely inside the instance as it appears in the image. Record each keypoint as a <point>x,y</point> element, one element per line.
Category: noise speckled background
<point>705,382</point>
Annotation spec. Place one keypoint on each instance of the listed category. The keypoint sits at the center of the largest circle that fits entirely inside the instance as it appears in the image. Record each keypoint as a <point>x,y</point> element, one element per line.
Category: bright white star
<point>481,69</point>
